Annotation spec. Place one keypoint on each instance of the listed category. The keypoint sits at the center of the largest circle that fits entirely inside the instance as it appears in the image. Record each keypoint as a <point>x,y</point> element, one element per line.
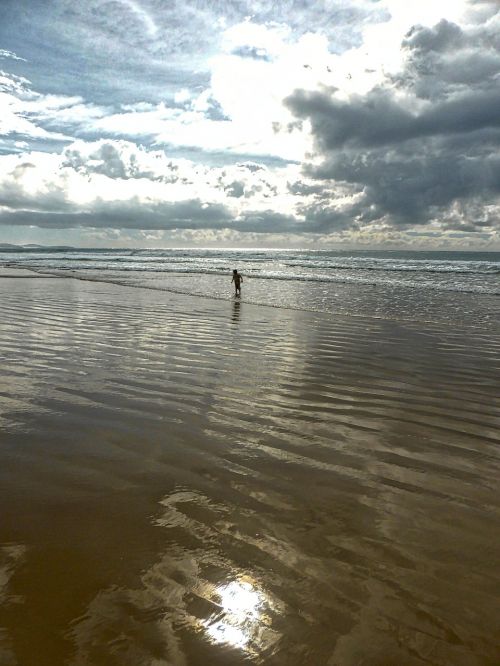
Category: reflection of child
<point>237,279</point>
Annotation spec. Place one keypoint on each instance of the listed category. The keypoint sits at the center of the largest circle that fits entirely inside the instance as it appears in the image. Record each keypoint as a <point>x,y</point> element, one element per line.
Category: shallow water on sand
<point>186,481</point>
<point>382,301</point>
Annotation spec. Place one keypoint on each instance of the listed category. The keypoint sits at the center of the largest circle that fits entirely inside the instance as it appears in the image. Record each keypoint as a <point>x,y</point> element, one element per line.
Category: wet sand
<point>191,482</point>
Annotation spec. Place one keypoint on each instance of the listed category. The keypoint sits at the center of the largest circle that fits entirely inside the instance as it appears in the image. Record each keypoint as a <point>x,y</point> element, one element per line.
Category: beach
<point>192,481</point>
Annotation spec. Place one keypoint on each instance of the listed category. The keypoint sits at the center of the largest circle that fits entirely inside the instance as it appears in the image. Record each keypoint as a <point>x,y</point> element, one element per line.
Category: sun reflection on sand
<point>242,617</point>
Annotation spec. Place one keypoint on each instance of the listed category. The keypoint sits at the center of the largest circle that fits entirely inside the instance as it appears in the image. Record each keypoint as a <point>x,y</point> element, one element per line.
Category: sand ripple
<point>273,486</point>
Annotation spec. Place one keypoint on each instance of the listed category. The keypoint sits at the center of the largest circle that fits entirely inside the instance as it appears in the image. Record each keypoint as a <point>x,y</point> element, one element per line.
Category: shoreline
<point>491,325</point>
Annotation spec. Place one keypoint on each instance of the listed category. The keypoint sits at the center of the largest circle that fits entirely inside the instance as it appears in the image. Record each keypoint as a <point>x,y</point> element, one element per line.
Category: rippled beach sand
<point>186,481</point>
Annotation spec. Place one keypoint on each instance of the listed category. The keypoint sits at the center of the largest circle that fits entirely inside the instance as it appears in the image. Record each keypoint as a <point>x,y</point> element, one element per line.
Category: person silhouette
<point>237,279</point>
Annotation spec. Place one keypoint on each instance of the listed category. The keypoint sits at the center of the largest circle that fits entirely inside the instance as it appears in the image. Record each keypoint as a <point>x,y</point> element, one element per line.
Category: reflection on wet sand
<point>235,318</point>
<point>242,606</point>
<point>184,610</point>
<point>323,492</point>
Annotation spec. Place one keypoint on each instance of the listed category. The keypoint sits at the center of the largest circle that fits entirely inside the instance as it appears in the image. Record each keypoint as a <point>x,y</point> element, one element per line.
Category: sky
<point>336,123</point>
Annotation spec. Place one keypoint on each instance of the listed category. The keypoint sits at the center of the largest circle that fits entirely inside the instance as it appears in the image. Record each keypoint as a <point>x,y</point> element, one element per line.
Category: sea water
<point>450,287</point>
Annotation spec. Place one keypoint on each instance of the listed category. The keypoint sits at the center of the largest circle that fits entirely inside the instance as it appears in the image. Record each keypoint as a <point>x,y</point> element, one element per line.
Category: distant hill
<point>34,246</point>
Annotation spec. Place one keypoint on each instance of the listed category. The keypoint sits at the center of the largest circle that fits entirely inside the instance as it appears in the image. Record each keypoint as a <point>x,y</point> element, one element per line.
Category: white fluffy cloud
<point>117,183</point>
<point>24,112</point>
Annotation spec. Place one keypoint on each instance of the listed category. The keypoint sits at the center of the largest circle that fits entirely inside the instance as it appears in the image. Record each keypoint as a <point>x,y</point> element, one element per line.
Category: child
<point>237,279</point>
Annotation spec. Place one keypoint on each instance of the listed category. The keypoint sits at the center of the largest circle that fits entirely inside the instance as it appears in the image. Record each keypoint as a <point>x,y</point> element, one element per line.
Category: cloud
<point>22,110</point>
<point>251,52</point>
<point>118,159</point>
<point>142,15</point>
<point>223,117</point>
<point>134,214</point>
<point>444,36</point>
<point>390,107</point>
<point>447,59</point>
<point>249,66</point>
<point>379,119</point>
<point>117,184</point>
<point>422,145</point>
<point>265,221</point>
<point>9,54</point>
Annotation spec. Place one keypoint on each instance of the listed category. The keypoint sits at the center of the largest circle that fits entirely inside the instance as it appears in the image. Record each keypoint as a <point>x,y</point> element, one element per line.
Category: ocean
<point>444,287</point>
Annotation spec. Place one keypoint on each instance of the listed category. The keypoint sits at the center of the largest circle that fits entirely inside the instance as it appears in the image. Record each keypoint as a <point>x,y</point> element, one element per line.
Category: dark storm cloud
<point>318,217</point>
<point>322,217</point>
<point>416,183</point>
<point>446,59</point>
<point>299,187</point>
<point>14,197</point>
<point>424,147</point>
<point>190,214</point>
<point>379,119</point>
<point>442,37</point>
<point>267,221</point>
